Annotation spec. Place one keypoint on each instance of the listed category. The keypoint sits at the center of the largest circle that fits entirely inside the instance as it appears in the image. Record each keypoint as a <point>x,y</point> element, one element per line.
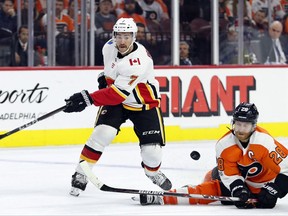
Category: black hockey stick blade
<point>103,187</point>
<point>33,122</point>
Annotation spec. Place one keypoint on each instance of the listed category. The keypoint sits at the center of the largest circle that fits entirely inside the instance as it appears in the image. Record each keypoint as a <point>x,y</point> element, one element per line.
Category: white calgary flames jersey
<point>260,162</point>
<point>131,79</point>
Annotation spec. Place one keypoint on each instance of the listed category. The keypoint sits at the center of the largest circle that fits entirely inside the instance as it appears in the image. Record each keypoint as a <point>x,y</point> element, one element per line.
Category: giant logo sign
<point>179,103</point>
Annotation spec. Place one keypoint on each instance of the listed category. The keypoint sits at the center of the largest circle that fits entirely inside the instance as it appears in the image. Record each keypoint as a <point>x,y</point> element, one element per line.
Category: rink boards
<point>197,102</point>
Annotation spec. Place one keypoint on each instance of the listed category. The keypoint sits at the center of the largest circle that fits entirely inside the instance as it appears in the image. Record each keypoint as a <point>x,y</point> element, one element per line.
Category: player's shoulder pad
<point>110,42</point>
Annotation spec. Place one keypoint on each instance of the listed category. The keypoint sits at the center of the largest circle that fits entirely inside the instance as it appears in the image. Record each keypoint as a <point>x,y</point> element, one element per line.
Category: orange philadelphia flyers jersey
<point>260,162</point>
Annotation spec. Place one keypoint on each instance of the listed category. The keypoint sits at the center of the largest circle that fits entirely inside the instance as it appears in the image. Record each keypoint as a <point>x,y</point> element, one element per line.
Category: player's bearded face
<point>124,41</point>
<point>243,130</point>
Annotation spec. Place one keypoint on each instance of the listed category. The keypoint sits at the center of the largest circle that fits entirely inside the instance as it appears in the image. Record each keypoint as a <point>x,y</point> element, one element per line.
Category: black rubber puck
<point>195,155</point>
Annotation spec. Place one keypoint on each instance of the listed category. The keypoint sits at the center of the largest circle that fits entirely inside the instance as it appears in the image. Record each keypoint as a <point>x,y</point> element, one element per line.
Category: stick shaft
<point>90,175</point>
<point>32,122</point>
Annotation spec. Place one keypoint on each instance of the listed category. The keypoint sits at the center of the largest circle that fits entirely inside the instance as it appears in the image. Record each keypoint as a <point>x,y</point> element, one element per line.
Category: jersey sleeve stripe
<point>122,93</point>
<point>145,94</point>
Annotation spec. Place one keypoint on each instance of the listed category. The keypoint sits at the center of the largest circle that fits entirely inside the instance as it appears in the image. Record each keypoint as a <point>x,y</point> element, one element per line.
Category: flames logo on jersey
<point>103,112</point>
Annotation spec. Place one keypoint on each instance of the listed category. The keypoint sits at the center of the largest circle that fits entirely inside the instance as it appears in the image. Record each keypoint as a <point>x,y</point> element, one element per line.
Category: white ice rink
<point>36,181</point>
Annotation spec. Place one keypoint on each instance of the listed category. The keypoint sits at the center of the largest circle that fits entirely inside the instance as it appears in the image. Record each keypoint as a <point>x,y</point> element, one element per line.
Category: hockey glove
<point>267,198</point>
<point>101,81</point>
<point>78,102</point>
<point>243,193</point>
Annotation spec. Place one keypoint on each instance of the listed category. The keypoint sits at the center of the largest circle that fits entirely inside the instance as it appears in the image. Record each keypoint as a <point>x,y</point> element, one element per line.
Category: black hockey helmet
<point>246,112</point>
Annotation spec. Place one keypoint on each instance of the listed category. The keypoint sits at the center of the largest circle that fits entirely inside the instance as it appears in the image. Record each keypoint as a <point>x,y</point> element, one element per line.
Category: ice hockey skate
<point>161,180</point>
<point>79,182</point>
<point>151,199</point>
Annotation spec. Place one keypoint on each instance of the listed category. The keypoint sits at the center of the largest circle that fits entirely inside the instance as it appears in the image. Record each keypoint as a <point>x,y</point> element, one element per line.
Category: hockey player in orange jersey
<point>250,164</point>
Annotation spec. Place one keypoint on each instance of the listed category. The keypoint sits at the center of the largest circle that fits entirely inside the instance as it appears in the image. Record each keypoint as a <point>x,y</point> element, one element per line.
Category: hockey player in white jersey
<point>127,90</point>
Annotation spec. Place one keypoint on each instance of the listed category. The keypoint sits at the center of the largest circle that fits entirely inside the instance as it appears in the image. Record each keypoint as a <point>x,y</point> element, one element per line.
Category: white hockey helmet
<point>125,25</point>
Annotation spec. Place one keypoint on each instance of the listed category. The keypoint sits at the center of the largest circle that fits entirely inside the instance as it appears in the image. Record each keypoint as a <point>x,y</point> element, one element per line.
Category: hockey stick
<point>90,175</point>
<point>32,122</point>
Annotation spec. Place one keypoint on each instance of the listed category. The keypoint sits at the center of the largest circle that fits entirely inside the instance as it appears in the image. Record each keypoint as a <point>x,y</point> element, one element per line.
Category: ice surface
<point>36,181</point>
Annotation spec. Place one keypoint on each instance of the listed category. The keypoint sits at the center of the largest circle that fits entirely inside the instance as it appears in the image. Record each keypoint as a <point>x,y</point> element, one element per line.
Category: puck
<point>195,155</point>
